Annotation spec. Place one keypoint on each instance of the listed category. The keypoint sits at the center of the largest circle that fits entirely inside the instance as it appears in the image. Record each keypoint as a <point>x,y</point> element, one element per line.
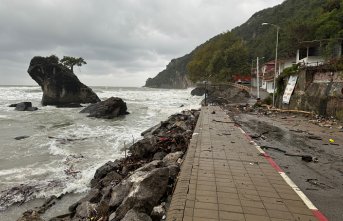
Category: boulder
<point>85,210</point>
<point>198,91</point>
<point>144,148</point>
<point>174,170</point>
<point>93,196</point>
<point>145,193</point>
<point>172,158</point>
<point>59,84</point>
<point>159,155</point>
<point>158,213</point>
<point>111,179</point>
<point>110,108</point>
<point>30,215</point>
<point>134,215</point>
<point>102,171</point>
<point>24,106</point>
<point>119,193</point>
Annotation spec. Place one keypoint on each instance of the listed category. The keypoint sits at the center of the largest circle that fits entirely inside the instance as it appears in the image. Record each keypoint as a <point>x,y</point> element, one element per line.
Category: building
<point>310,52</point>
<point>268,72</point>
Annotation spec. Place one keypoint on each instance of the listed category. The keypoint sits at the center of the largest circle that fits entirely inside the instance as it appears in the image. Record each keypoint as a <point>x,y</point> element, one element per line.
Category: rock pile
<point>138,187</point>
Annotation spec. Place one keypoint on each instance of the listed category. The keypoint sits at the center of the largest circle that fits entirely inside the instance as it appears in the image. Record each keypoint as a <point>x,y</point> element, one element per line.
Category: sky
<point>124,42</point>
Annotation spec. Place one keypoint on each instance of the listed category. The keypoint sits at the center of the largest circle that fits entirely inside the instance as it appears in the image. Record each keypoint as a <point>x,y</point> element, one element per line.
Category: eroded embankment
<point>138,186</point>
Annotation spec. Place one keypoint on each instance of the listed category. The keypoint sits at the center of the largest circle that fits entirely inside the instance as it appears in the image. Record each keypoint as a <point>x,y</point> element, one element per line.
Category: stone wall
<point>318,92</point>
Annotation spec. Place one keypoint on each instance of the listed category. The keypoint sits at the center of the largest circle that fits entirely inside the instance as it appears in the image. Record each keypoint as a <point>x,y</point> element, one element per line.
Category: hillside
<point>226,54</point>
<point>174,76</point>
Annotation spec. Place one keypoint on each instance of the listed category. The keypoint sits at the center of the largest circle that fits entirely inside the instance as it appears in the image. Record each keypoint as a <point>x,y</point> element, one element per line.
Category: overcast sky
<point>123,41</point>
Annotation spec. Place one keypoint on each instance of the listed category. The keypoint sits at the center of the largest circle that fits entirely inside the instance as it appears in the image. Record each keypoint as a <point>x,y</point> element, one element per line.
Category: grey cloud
<point>131,39</point>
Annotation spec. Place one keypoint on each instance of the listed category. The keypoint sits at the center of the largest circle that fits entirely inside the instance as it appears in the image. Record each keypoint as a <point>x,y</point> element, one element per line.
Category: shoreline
<point>125,187</point>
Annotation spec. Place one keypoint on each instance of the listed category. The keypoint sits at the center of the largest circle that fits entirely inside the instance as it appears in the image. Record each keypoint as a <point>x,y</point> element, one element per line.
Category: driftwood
<point>290,111</point>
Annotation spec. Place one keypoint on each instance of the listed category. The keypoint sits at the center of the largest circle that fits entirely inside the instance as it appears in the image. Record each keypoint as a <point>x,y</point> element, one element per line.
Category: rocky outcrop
<point>24,106</point>
<point>110,108</point>
<point>174,76</point>
<point>221,94</point>
<point>198,91</point>
<point>60,85</point>
<point>138,187</point>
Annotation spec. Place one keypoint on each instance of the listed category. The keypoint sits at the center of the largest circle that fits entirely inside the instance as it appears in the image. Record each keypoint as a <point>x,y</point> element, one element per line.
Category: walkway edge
<point>320,216</point>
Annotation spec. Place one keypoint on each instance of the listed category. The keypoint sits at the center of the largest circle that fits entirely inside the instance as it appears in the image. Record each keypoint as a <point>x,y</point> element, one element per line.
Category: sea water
<point>64,147</point>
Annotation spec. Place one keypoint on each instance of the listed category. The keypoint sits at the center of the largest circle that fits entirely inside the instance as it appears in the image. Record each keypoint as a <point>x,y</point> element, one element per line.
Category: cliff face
<point>174,76</point>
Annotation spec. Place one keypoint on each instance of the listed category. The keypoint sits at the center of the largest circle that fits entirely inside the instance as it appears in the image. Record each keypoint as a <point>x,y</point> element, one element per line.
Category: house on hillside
<point>309,53</point>
<point>268,72</point>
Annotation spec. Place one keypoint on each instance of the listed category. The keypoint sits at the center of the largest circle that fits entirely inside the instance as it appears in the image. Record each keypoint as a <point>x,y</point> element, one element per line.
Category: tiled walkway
<point>224,177</point>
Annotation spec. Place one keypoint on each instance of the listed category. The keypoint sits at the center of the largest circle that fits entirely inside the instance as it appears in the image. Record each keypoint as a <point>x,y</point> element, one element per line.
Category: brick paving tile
<point>249,217</point>
<point>224,178</point>
<point>205,213</point>
<point>210,206</point>
<point>231,216</point>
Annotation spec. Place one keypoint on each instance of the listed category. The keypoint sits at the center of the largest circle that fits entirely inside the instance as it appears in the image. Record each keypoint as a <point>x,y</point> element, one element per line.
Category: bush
<point>268,100</point>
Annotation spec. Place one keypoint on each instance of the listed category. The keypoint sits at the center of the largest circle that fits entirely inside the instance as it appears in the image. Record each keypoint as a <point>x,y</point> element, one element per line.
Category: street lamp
<point>277,43</point>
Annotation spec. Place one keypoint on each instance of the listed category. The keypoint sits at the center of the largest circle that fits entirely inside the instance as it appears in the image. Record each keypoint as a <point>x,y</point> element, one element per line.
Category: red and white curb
<point>304,198</point>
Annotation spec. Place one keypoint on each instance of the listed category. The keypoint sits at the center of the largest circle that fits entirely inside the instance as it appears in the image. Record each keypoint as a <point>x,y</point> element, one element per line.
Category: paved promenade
<point>225,177</point>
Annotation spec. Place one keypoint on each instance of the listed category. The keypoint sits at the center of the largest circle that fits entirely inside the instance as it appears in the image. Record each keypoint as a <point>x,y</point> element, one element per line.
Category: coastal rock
<point>111,179</point>
<point>119,193</point>
<point>198,91</point>
<point>132,188</point>
<point>158,212</point>
<point>145,193</point>
<point>30,215</point>
<point>110,108</point>
<point>172,158</point>
<point>102,171</point>
<point>144,148</point>
<point>150,166</point>
<point>86,210</point>
<point>93,196</point>
<point>24,106</point>
<point>174,170</point>
<point>21,137</point>
<point>159,155</point>
<point>134,215</point>
<point>59,84</point>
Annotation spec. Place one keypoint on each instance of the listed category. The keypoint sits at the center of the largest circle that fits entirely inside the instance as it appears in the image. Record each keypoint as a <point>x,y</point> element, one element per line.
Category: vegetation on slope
<point>231,53</point>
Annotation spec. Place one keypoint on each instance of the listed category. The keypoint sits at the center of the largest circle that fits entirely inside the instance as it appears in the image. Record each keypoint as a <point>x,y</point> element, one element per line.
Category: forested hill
<point>226,54</point>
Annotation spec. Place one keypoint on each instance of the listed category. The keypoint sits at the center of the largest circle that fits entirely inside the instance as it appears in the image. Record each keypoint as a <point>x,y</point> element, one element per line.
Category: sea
<point>63,147</point>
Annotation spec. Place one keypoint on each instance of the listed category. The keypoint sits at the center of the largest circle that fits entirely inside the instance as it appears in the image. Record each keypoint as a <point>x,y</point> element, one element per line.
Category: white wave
<point>73,134</point>
<point>55,149</point>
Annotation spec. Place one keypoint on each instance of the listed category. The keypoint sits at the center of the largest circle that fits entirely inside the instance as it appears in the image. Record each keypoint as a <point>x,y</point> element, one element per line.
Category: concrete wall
<point>318,92</point>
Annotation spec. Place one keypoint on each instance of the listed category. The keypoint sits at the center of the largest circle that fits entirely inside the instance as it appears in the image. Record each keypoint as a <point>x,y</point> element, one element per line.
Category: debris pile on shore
<point>137,187</point>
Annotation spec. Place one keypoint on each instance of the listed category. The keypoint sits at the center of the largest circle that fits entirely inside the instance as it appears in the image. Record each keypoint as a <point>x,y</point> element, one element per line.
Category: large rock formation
<point>174,76</point>
<point>60,85</point>
<point>110,108</point>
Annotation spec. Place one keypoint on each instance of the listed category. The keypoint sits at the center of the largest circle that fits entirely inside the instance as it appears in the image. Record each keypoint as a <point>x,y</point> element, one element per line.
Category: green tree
<point>219,59</point>
<point>70,62</point>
